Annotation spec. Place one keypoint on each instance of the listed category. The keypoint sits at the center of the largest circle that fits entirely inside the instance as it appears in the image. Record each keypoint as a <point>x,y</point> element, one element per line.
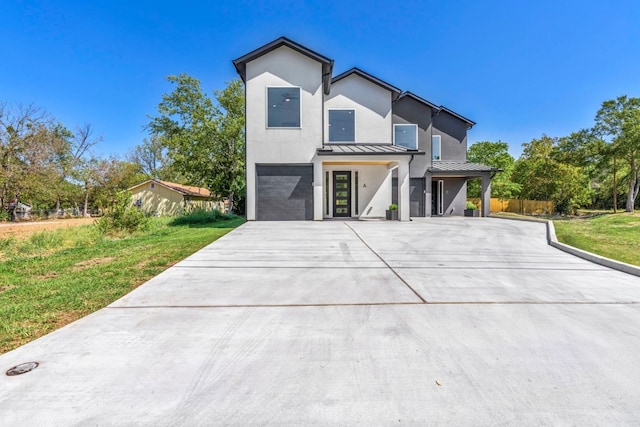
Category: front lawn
<point>55,277</point>
<point>615,236</point>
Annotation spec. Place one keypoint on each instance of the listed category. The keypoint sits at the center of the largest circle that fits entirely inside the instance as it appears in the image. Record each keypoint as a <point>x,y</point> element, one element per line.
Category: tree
<point>153,159</point>
<point>69,150</point>
<point>205,140</point>
<point>22,130</point>
<point>619,121</point>
<point>543,177</point>
<point>495,154</point>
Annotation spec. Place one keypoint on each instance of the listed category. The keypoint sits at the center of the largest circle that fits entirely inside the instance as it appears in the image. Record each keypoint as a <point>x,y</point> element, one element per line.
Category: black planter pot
<point>392,215</point>
<point>472,212</point>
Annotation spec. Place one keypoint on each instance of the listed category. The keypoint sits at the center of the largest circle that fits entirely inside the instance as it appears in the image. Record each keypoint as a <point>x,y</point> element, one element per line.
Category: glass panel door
<point>342,194</point>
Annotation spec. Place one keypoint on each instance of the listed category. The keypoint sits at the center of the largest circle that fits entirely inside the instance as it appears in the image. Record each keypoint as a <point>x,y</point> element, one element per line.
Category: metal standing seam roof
<point>441,166</point>
<point>365,149</point>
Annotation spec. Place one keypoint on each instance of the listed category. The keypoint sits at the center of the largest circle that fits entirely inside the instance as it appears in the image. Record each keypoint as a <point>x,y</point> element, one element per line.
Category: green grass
<point>615,236</point>
<point>55,277</point>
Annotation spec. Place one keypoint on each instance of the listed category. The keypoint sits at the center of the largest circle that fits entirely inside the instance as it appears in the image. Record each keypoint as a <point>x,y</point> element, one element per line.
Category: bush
<point>393,207</point>
<point>122,217</point>
<point>4,215</point>
<point>471,205</point>
<point>201,216</point>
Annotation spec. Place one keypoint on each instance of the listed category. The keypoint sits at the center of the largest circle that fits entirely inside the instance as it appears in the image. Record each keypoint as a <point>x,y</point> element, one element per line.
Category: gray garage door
<point>284,192</point>
<point>416,195</point>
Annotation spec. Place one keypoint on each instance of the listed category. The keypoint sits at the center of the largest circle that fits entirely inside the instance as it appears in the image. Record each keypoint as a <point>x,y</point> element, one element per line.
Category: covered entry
<point>284,192</point>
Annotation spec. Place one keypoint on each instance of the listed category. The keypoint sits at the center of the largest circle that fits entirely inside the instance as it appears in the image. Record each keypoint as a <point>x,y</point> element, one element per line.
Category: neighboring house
<point>169,199</point>
<point>322,147</point>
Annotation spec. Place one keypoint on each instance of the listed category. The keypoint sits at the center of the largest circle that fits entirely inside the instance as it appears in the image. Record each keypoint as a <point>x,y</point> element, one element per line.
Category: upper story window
<point>342,125</point>
<point>406,136</point>
<point>436,147</point>
<point>283,107</point>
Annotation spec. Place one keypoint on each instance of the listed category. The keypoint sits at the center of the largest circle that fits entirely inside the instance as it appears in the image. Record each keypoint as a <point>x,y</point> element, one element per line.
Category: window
<point>342,125</point>
<point>436,152</point>
<point>283,107</point>
<point>406,136</point>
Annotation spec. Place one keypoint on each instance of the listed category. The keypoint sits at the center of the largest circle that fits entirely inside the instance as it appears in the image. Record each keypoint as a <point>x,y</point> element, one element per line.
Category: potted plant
<point>471,210</point>
<point>392,212</point>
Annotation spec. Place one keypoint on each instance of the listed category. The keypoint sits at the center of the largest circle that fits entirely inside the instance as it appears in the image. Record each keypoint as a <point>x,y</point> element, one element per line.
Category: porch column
<point>318,198</point>
<point>486,194</point>
<point>404,204</point>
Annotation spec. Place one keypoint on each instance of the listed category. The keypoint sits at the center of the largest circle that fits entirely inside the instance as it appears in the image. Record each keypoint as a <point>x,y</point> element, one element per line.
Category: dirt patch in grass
<point>25,229</point>
<point>49,275</point>
<point>83,265</point>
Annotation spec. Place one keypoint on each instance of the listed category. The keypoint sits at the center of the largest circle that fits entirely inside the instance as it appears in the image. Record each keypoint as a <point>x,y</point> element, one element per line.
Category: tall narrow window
<point>436,148</point>
<point>342,125</point>
<point>283,107</point>
<point>326,192</point>
<point>356,192</point>
<point>406,136</point>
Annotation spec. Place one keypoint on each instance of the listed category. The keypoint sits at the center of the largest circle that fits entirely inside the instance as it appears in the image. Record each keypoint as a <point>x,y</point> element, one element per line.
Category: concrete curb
<point>552,240</point>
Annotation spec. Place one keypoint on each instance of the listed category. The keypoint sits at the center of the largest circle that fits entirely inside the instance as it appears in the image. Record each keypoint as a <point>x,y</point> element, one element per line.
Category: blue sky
<point>517,68</point>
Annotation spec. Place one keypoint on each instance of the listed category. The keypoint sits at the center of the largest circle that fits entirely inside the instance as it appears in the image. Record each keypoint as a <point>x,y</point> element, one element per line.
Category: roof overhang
<point>327,64</point>
<point>395,92</point>
<point>382,150</point>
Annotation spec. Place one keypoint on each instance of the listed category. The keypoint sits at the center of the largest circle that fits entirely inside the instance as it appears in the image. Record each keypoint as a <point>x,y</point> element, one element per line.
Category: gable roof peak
<point>363,74</point>
<point>327,64</point>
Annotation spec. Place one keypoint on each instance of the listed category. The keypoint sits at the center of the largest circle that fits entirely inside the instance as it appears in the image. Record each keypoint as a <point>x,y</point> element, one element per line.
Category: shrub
<point>471,205</point>
<point>201,216</point>
<point>393,207</point>
<point>122,217</point>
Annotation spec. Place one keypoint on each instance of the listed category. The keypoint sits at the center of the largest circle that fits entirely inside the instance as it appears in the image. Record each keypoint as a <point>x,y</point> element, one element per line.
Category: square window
<point>283,107</point>
<point>406,136</point>
<point>342,125</point>
<point>436,148</point>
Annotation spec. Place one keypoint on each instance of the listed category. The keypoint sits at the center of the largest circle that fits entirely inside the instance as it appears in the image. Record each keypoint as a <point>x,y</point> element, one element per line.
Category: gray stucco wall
<point>409,111</point>
<point>454,136</point>
<point>455,196</point>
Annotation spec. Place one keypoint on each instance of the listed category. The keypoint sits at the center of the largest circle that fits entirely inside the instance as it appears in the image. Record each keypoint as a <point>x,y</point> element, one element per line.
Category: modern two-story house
<point>320,146</point>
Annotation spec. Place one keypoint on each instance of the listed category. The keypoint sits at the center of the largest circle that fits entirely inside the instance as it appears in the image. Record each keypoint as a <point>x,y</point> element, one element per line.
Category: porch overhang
<point>380,150</point>
<point>461,170</point>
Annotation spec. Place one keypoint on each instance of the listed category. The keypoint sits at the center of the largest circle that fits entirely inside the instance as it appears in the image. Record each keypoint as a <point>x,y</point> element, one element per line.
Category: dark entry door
<point>342,194</point>
<point>416,195</point>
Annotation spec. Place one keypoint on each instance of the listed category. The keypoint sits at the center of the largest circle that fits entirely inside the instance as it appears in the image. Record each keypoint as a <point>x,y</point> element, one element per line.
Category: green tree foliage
<point>153,159</point>
<point>495,154</point>
<point>618,121</point>
<point>542,176</point>
<point>205,140</point>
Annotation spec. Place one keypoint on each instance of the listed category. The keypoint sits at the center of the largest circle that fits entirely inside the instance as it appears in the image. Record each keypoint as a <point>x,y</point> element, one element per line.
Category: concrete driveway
<point>441,321</point>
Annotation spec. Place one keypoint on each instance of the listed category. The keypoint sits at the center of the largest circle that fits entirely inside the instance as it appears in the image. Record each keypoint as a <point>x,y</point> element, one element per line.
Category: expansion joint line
<point>386,263</point>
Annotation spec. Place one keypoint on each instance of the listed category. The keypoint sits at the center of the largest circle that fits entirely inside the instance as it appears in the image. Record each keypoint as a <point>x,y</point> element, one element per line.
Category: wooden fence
<point>518,206</point>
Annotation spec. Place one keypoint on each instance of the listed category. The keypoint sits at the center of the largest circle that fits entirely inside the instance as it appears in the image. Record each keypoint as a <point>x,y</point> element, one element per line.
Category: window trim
<point>355,137</point>
<point>405,124</point>
<point>266,103</point>
<point>435,138</point>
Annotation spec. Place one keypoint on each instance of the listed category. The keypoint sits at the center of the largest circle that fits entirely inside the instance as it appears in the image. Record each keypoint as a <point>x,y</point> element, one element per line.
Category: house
<point>320,146</point>
<point>165,198</point>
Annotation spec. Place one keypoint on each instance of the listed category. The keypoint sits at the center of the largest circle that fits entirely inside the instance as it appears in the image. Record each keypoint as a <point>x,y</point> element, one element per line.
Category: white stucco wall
<point>374,189</point>
<point>371,103</point>
<point>282,67</point>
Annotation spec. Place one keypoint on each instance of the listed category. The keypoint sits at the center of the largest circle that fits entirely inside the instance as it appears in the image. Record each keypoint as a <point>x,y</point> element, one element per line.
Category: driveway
<point>456,321</point>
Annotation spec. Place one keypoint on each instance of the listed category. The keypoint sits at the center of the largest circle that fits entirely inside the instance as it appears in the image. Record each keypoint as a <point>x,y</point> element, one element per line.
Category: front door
<point>437,197</point>
<point>342,194</point>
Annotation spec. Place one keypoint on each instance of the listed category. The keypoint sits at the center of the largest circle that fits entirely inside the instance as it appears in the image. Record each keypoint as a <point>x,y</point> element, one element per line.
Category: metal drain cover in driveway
<point>22,368</point>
